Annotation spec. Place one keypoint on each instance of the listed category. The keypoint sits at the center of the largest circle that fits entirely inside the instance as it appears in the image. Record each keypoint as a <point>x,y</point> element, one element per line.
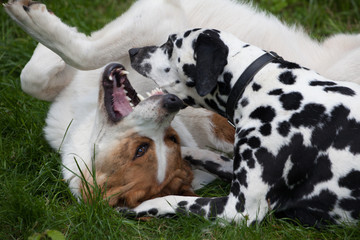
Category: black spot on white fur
<point>287,65</point>
<point>265,129</point>
<point>284,128</point>
<point>321,83</point>
<point>178,43</point>
<point>256,87</point>
<point>341,90</point>
<point>187,33</point>
<point>287,78</point>
<point>276,92</point>
<point>189,101</point>
<point>244,102</point>
<point>291,101</point>
<point>311,115</point>
<point>190,72</point>
<point>264,114</point>
<point>224,87</point>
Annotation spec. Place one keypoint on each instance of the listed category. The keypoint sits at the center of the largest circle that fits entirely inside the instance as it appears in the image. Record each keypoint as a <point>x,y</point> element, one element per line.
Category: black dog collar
<point>243,81</point>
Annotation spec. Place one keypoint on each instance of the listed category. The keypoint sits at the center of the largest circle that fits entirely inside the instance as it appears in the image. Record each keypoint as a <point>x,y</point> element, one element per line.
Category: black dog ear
<point>211,58</point>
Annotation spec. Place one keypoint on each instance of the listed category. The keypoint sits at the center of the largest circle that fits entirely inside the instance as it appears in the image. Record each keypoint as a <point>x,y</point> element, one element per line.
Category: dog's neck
<point>247,75</point>
<point>242,66</point>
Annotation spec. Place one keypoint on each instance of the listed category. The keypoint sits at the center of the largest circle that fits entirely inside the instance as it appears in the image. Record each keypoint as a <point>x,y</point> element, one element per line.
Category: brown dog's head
<point>137,153</point>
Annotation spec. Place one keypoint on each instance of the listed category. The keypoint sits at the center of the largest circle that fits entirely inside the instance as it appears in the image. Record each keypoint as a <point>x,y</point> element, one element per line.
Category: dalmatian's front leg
<point>229,208</point>
<point>172,205</point>
<point>245,203</point>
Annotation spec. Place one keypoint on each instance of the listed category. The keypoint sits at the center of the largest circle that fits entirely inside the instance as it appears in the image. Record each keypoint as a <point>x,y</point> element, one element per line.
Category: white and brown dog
<point>127,145</point>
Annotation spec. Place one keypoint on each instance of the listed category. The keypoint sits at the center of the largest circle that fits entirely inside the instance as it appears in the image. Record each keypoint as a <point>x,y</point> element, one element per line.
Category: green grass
<point>33,197</point>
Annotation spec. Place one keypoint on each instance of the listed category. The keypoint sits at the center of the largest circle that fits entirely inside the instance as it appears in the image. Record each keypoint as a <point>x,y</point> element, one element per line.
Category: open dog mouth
<point>119,96</point>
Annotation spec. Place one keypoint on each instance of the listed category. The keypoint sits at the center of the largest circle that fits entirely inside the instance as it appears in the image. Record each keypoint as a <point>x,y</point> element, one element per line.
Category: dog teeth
<point>123,72</point>
<point>111,78</point>
<point>140,97</point>
<point>156,91</point>
<point>129,99</point>
<point>131,104</point>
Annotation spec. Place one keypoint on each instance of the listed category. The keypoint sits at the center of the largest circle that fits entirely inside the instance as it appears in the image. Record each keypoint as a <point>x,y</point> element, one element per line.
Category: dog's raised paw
<point>33,17</point>
<point>16,8</point>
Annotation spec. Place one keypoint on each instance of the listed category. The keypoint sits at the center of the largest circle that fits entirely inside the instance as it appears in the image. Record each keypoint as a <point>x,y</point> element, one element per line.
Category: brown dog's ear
<point>211,58</point>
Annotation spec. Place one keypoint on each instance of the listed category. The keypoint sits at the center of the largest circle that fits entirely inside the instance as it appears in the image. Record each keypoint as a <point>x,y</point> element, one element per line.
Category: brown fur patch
<point>222,129</point>
<point>128,180</point>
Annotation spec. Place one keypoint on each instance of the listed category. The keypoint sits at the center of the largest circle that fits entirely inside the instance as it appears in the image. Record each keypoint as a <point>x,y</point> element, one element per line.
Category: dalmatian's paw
<point>168,206</point>
<point>139,215</point>
<point>126,212</point>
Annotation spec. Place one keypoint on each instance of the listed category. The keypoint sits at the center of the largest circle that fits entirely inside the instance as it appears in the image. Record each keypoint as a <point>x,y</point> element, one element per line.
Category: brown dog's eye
<point>173,139</point>
<point>141,150</point>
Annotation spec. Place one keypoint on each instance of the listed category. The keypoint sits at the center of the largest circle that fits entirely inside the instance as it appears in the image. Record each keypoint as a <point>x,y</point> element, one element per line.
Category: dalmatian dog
<point>297,141</point>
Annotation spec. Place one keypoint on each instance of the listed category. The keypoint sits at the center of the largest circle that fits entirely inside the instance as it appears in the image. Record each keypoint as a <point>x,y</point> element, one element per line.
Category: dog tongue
<point>121,104</point>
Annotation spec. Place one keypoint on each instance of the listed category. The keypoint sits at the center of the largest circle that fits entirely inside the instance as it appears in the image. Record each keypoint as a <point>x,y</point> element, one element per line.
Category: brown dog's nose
<point>172,103</point>
<point>133,52</point>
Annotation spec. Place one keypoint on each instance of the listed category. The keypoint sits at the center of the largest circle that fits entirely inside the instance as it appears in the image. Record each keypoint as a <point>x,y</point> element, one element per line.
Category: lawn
<point>33,197</point>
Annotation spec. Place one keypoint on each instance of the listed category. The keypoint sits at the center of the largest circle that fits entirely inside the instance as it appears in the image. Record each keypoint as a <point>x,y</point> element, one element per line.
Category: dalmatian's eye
<point>141,150</point>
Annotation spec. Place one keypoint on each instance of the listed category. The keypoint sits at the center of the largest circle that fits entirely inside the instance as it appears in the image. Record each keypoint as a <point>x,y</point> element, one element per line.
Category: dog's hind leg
<point>46,74</point>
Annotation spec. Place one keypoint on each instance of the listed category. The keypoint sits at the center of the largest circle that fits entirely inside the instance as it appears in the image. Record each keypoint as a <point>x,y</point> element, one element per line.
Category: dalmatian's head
<point>190,65</point>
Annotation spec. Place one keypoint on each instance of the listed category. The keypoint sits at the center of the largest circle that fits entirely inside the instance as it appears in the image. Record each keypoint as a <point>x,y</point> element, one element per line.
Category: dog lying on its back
<point>297,143</point>
<point>136,154</point>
